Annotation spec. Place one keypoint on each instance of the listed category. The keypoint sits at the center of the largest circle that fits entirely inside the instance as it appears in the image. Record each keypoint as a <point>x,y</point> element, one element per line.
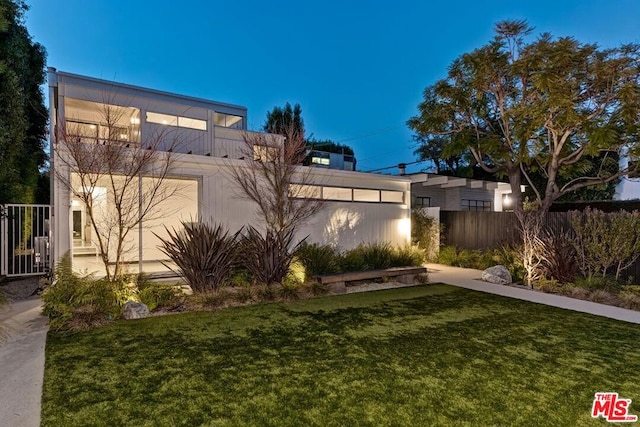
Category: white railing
<point>24,240</point>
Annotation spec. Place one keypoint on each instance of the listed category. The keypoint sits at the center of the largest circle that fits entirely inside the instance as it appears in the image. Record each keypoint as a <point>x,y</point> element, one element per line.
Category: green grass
<point>435,355</point>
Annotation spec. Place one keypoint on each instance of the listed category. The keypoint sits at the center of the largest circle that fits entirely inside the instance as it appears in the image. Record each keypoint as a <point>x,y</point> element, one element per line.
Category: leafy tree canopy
<point>551,107</point>
<point>23,115</point>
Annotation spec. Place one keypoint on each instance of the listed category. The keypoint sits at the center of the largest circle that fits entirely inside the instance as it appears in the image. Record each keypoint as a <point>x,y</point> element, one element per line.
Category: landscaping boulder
<point>135,310</point>
<point>497,274</point>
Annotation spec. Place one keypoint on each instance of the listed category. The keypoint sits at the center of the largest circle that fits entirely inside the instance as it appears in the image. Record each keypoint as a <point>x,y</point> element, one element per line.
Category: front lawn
<point>434,355</point>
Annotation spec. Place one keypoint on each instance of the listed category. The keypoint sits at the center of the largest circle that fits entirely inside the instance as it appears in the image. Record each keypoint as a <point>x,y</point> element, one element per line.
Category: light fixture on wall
<point>506,200</point>
<point>404,227</point>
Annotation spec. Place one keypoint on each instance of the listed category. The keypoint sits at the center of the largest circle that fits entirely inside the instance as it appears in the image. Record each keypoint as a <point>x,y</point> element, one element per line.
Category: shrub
<point>406,256</point>
<point>577,292</point>
<point>243,294</point>
<point>630,297</point>
<point>265,293</point>
<point>315,288</point>
<point>559,260</point>
<point>511,258</point>
<point>455,257</point>
<point>289,292</point>
<point>547,285</point>
<point>296,275</point>
<point>210,300</point>
<point>78,300</point>
<point>205,254</point>
<point>606,241</point>
<point>240,277</point>
<point>159,295</point>
<point>425,233</point>
<point>597,283</point>
<point>603,297</point>
<point>268,257</point>
<point>318,259</point>
<point>372,256</point>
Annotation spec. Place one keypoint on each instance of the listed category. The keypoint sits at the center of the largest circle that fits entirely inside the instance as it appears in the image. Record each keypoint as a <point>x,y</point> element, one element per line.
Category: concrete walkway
<point>23,334</point>
<point>471,279</point>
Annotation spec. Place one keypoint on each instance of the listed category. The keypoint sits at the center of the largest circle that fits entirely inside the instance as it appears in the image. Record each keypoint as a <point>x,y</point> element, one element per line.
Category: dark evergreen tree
<point>283,120</point>
<point>23,115</point>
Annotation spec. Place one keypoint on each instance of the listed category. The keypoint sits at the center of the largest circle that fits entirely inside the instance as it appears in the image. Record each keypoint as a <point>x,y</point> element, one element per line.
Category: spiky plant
<point>268,256</point>
<point>204,254</point>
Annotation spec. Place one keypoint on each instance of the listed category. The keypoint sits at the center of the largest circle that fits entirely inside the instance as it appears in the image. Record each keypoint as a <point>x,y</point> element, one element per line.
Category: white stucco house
<point>360,207</point>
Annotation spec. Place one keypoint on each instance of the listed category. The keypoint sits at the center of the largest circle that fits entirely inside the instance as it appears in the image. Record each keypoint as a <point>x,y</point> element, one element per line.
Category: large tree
<point>563,110</point>
<point>285,121</point>
<point>23,116</point>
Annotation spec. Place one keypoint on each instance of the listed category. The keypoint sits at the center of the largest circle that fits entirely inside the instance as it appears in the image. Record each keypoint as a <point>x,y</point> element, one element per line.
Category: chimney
<point>402,168</point>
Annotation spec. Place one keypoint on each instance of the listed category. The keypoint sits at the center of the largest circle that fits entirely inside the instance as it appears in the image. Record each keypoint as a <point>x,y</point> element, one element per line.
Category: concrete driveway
<point>23,334</point>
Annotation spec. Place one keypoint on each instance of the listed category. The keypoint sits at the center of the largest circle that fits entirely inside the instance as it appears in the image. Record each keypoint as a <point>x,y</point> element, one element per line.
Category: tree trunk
<point>515,180</point>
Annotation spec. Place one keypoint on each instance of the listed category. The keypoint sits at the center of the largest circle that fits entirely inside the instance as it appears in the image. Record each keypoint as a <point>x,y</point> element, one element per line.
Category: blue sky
<point>357,68</point>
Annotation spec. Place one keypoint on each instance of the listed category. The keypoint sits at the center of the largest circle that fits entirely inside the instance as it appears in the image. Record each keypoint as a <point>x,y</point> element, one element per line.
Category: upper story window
<point>319,158</point>
<point>91,121</point>
<point>179,121</point>
<point>228,120</point>
<point>265,153</point>
<point>423,202</point>
<point>476,205</point>
<point>91,132</point>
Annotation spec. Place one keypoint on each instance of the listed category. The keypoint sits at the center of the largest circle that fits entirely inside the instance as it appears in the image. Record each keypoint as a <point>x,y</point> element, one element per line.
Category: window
<point>305,191</point>
<point>91,132</point>
<point>85,131</point>
<point>228,120</point>
<point>186,122</point>
<point>392,196</point>
<point>183,122</point>
<point>476,205</point>
<point>345,194</point>
<point>322,159</point>
<point>366,195</point>
<point>265,153</point>
<point>423,202</point>
<point>337,193</point>
<point>114,133</point>
<point>162,119</point>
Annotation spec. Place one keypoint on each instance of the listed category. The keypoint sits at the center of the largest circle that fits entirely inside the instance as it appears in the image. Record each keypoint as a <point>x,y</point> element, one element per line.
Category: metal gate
<point>24,240</point>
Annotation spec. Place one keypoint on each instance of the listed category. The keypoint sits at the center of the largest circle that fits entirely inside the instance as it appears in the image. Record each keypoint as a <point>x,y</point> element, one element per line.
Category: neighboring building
<point>328,160</point>
<point>360,207</point>
<point>458,194</point>
<point>629,186</point>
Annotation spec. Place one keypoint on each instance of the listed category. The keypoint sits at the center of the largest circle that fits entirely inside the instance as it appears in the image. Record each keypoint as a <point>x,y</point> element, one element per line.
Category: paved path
<point>23,334</point>
<point>470,279</point>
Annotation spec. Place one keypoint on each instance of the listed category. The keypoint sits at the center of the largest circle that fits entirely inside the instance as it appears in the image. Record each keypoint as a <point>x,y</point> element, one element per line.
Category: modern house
<point>458,194</point>
<point>629,186</point>
<point>331,160</point>
<point>358,207</point>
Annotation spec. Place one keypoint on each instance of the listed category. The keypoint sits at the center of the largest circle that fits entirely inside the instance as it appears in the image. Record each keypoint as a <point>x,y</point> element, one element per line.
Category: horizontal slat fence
<point>485,230</point>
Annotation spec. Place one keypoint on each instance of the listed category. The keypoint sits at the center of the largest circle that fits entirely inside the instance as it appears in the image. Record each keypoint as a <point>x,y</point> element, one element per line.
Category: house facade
<point>358,207</point>
<point>458,194</point>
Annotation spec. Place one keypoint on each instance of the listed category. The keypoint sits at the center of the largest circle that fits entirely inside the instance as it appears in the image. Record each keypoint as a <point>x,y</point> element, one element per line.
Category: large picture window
<point>179,121</point>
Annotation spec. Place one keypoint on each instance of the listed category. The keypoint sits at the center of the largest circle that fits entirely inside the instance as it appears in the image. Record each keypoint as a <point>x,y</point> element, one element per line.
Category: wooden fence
<point>485,230</point>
